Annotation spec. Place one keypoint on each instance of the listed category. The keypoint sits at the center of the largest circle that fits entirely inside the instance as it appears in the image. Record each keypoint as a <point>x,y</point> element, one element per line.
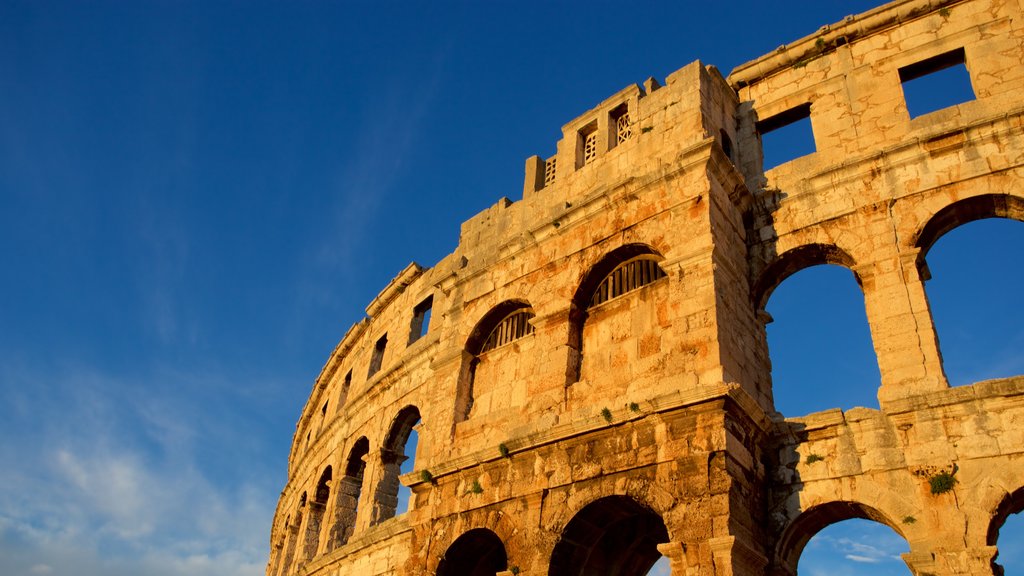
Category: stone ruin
<point>588,374</point>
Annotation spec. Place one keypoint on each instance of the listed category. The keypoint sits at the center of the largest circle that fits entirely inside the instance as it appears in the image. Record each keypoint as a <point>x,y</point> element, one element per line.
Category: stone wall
<point>615,429</point>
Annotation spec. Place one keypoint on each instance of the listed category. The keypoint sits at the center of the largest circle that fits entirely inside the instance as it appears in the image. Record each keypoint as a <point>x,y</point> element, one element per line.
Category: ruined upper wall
<point>850,75</point>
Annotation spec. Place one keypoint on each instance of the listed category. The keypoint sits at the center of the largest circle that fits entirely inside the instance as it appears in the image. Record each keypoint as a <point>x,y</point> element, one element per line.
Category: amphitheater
<point>587,372</point>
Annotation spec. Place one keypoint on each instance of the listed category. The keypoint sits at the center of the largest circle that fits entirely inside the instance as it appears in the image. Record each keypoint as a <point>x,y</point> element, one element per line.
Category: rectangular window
<point>586,145</point>
<point>550,170</point>
<point>420,319</point>
<point>786,136</point>
<point>619,125</point>
<point>378,355</point>
<point>936,83</point>
<point>344,390</point>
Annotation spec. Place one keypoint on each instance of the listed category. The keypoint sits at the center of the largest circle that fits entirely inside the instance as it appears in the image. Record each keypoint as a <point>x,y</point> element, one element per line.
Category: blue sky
<point>197,199</point>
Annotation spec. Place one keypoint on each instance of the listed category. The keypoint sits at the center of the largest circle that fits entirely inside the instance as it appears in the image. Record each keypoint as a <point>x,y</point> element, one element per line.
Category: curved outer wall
<point>663,394</point>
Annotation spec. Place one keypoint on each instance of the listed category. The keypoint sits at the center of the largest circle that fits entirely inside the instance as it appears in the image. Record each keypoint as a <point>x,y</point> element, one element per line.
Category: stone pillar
<point>534,179</point>
<point>901,327</point>
<point>385,501</point>
<point>733,556</point>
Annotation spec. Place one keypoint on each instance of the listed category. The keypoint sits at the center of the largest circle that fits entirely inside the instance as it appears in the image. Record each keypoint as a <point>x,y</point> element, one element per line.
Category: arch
<point>795,260</point>
<point>317,506</point>
<point>503,324</point>
<point>592,282</point>
<point>478,552</point>
<point>813,520</point>
<point>1012,504</point>
<point>346,500</point>
<point>484,330</point>
<point>293,538</point>
<point>961,212</point>
<point>613,535</point>
<point>392,456</point>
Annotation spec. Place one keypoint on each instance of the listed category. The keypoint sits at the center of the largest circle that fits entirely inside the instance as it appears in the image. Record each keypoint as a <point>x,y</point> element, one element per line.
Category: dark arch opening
<point>581,300</point>
<point>317,507</point>
<point>614,536</point>
<point>813,521</point>
<point>346,501</point>
<point>478,552</point>
<point>1008,523</point>
<point>974,285</point>
<point>510,318</point>
<point>394,457</point>
<point>293,537</point>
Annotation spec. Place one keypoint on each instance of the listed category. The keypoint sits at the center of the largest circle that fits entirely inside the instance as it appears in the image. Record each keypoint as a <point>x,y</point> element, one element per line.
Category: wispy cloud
<point>97,482</point>
<point>854,547</point>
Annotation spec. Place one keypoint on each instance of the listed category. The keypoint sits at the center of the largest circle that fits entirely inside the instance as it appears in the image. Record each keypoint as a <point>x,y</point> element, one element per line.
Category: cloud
<point>864,559</point>
<point>100,481</point>
<point>854,547</point>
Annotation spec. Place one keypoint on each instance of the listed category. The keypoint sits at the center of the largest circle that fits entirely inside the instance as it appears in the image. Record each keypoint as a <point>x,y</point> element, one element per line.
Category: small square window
<point>420,319</point>
<point>378,355</point>
<point>936,83</point>
<point>786,136</point>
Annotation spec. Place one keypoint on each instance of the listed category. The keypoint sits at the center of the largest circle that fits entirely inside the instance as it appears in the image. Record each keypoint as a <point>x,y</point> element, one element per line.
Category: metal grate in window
<point>550,169</point>
<point>513,327</point>
<point>626,277</point>
<point>590,148</point>
<point>623,129</point>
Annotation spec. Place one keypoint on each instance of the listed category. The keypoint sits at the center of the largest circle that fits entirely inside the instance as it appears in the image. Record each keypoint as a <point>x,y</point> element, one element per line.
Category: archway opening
<point>973,293</point>
<point>317,506</point>
<point>819,342</point>
<point>844,538</point>
<point>478,552</point>
<point>615,535</point>
<point>1006,532</point>
<point>397,458</point>
<point>350,486</point>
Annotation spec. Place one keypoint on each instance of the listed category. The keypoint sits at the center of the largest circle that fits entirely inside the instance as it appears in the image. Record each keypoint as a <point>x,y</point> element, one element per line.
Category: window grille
<point>550,168</point>
<point>623,129</point>
<point>590,148</point>
<point>627,277</point>
<point>513,327</point>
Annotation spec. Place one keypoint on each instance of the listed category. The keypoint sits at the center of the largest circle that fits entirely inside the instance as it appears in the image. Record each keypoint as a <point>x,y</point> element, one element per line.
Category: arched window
<point>969,282</point>
<point>316,513</point>
<point>491,360</point>
<point>840,536</point>
<point>626,277</point>
<point>397,458</point>
<point>606,309</point>
<point>613,535</point>
<point>817,332</point>
<point>349,488</point>
<point>478,552</point>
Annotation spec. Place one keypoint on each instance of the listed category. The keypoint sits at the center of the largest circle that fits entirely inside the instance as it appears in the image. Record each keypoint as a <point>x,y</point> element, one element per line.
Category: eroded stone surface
<point>650,411</point>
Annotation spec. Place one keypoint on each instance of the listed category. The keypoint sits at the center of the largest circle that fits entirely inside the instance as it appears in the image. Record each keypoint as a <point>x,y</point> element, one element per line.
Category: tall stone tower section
<point>583,386</point>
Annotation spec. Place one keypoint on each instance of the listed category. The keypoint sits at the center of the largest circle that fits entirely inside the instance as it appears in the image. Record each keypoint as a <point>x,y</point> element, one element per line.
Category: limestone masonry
<point>588,373</point>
